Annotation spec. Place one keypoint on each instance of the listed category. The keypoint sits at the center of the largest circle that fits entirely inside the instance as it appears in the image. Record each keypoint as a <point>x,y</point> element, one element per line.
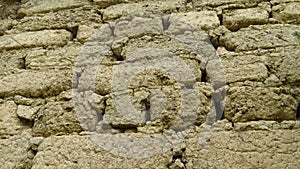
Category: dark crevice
<point>123,128</point>
<point>101,114</point>
<point>269,70</point>
<point>117,51</point>
<point>232,123</point>
<point>20,15</point>
<point>214,40</point>
<point>34,152</point>
<point>68,109</point>
<point>98,12</point>
<point>298,111</point>
<point>112,28</point>
<point>271,12</point>
<point>117,56</point>
<point>73,31</point>
<point>220,16</point>
<point>176,156</point>
<point>204,76</point>
<point>26,122</point>
<point>24,62</point>
<point>147,105</point>
<point>179,156</point>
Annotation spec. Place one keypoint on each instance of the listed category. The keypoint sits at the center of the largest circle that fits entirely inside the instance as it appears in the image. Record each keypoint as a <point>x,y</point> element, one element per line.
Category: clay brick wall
<point>149,84</point>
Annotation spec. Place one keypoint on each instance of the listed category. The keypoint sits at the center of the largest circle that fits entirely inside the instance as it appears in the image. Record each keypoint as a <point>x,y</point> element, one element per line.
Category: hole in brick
<point>220,16</point>
<point>26,122</point>
<point>74,31</point>
<point>177,156</point>
<point>118,57</point>
<point>123,128</point>
<point>268,68</point>
<point>34,152</point>
<point>204,76</point>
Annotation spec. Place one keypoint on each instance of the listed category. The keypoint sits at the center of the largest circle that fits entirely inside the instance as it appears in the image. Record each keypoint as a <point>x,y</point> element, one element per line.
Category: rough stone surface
<point>225,2</point>
<point>35,39</point>
<point>287,12</point>
<point>242,68</point>
<point>10,123</point>
<point>46,59</point>
<point>10,61</point>
<point>43,6</point>
<point>56,118</point>
<point>202,20</point>
<point>244,149</point>
<point>27,112</point>
<point>149,84</point>
<point>82,152</point>
<point>107,3</point>
<point>168,6</point>
<point>243,104</point>
<point>262,37</point>
<point>236,19</point>
<point>16,151</point>
<point>35,84</point>
<point>287,70</point>
<point>69,19</point>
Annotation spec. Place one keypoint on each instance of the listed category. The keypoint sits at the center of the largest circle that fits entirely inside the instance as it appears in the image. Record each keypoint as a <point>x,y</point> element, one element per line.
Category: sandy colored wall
<point>149,84</point>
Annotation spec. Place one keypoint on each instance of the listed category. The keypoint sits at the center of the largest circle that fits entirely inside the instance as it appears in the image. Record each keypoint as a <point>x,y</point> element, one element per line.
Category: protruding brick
<point>41,6</point>
<point>240,18</point>
<point>287,12</point>
<point>201,20</point>
<point>43,38</point>
<point>261,37</point>
<point>35,84</point>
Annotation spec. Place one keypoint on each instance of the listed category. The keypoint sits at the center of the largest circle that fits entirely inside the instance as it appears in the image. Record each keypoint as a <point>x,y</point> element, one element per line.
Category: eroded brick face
<point>149,84</point>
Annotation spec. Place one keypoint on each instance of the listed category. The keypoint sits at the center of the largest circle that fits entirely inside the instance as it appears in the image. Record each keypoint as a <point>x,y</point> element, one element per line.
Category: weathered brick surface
<point>287,12</point>
<point>262,37</point>
<point>236,19</point>
<point>42,38</point>
<point>36,83</point>
<point>42,6</point>
<point>149,84</point>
